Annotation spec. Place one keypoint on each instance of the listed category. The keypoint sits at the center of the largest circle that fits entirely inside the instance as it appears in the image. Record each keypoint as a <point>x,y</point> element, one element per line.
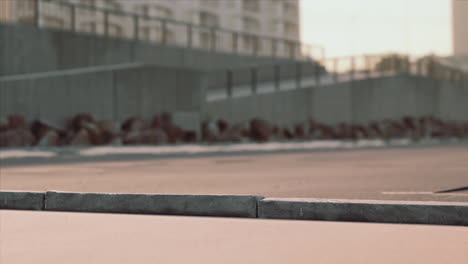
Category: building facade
<point>273,18</point>
<point>460,27</point>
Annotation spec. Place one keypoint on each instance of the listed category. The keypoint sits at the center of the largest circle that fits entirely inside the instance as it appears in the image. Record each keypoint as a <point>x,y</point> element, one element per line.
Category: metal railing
<point>236,82</point>
<point>117,23</point>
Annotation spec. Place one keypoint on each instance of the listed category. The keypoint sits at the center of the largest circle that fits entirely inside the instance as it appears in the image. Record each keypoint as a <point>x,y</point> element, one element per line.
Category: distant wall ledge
<point>398,212</point>
<point>407,212</point>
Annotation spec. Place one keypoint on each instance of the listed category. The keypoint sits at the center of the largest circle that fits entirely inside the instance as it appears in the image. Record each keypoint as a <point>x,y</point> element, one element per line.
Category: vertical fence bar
<point>163,31</point>
<point>213,39</point>
<point>235,37</point>
<point>73,18</point>
<point>277,69</point>
<point>298,75</point>
<point>273,48</point>
<point>37,14</point>
<point>255,41</point>
<point>106,23</point>
<point>317,72</point>
<point>253,74</point>
<point>229,83</point>
<point>189,35</point>
<point>367,66</point>
<point>136,27</point>
<point>335,69</point>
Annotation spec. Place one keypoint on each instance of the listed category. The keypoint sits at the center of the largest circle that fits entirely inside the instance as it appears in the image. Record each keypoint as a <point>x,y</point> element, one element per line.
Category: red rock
<point>134,124</point>
<point>287,134</point>
<point>17,122</point>
<point>152,136</point>
<point>81,138</point>
<point>299,131</point>
<point>16,138</point>
<point>80,119</point>
<point>222,125</point>
<point>50,138</point>
<point>259,130</point>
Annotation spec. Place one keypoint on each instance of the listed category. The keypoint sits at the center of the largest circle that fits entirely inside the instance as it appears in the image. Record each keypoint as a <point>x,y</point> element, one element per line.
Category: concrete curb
<point>22,200</point>
<point>401,212</point>
<point>431,213</point>
<point>193,205</point>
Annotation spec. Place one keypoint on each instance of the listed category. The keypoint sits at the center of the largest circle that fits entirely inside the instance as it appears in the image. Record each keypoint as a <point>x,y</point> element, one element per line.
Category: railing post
<point>419,68</point>
<point>73,18</point>
<point>277,77</point>
<point>37,13</point>
<point>189,35</point>
<point>229,83</point>
<point>136,27</point>
<point>298,75</point>
<point>367,66</point>
<point>274,47</point>
<point>213,39</point>
<point>235,37</point>
<point>335,70</point>
<point>255,45</point>
<point>163,32</point>
<point>317,73</point>
<point>253,74</point>
<point>106,23</point>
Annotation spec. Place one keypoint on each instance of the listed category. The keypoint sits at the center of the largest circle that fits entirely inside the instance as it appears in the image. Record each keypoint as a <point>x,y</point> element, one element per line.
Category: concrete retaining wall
<point>26,49</point>
<point>351,102</point>
<point>403,212</point>
<point>113,93</point>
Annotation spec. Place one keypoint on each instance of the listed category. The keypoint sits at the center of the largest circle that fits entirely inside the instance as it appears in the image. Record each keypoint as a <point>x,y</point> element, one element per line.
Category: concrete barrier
<point>194,205</point>
<point>21,200</point>
<point>433,213</point>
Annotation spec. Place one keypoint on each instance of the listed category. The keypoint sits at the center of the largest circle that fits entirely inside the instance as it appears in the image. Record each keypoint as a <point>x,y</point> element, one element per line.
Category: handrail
<point>296,46</point>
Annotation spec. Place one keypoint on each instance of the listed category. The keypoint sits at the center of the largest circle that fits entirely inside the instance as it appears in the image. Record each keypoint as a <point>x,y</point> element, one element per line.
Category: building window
<point>251,5</point>
<point>112,4</point>
<point>53,22</point>
<point>142,10</point>
<point>25,5</point>
<point>88,2</point>
<point>208,19</point>
<point>251,25</point>
<point>210,3</point>
<point>145,33</point>
<point>115,30</point>
<point>163,12</point>
<point>88,27</point>
<point>290,9</point>
<point>87,11</point>
<point>291,29</point>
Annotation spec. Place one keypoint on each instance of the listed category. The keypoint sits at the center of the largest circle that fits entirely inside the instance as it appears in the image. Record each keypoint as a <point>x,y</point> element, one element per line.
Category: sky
<point>355,27</point>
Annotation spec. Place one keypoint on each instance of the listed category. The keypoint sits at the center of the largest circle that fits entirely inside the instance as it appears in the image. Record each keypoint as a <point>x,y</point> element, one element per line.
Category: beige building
<point>275,18</point>
<point>460,27</point>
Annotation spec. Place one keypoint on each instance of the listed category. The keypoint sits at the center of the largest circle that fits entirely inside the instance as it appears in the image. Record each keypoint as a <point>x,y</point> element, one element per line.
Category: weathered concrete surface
<point>21,200</point>
<point>52,237</point>
<point>194,205</point>
<point>411,174</point>
<point>433,213</point>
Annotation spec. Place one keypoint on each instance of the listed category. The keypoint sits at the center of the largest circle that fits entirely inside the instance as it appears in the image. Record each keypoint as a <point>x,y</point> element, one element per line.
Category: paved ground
<point>389,174</point>
<point>47,237</point>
